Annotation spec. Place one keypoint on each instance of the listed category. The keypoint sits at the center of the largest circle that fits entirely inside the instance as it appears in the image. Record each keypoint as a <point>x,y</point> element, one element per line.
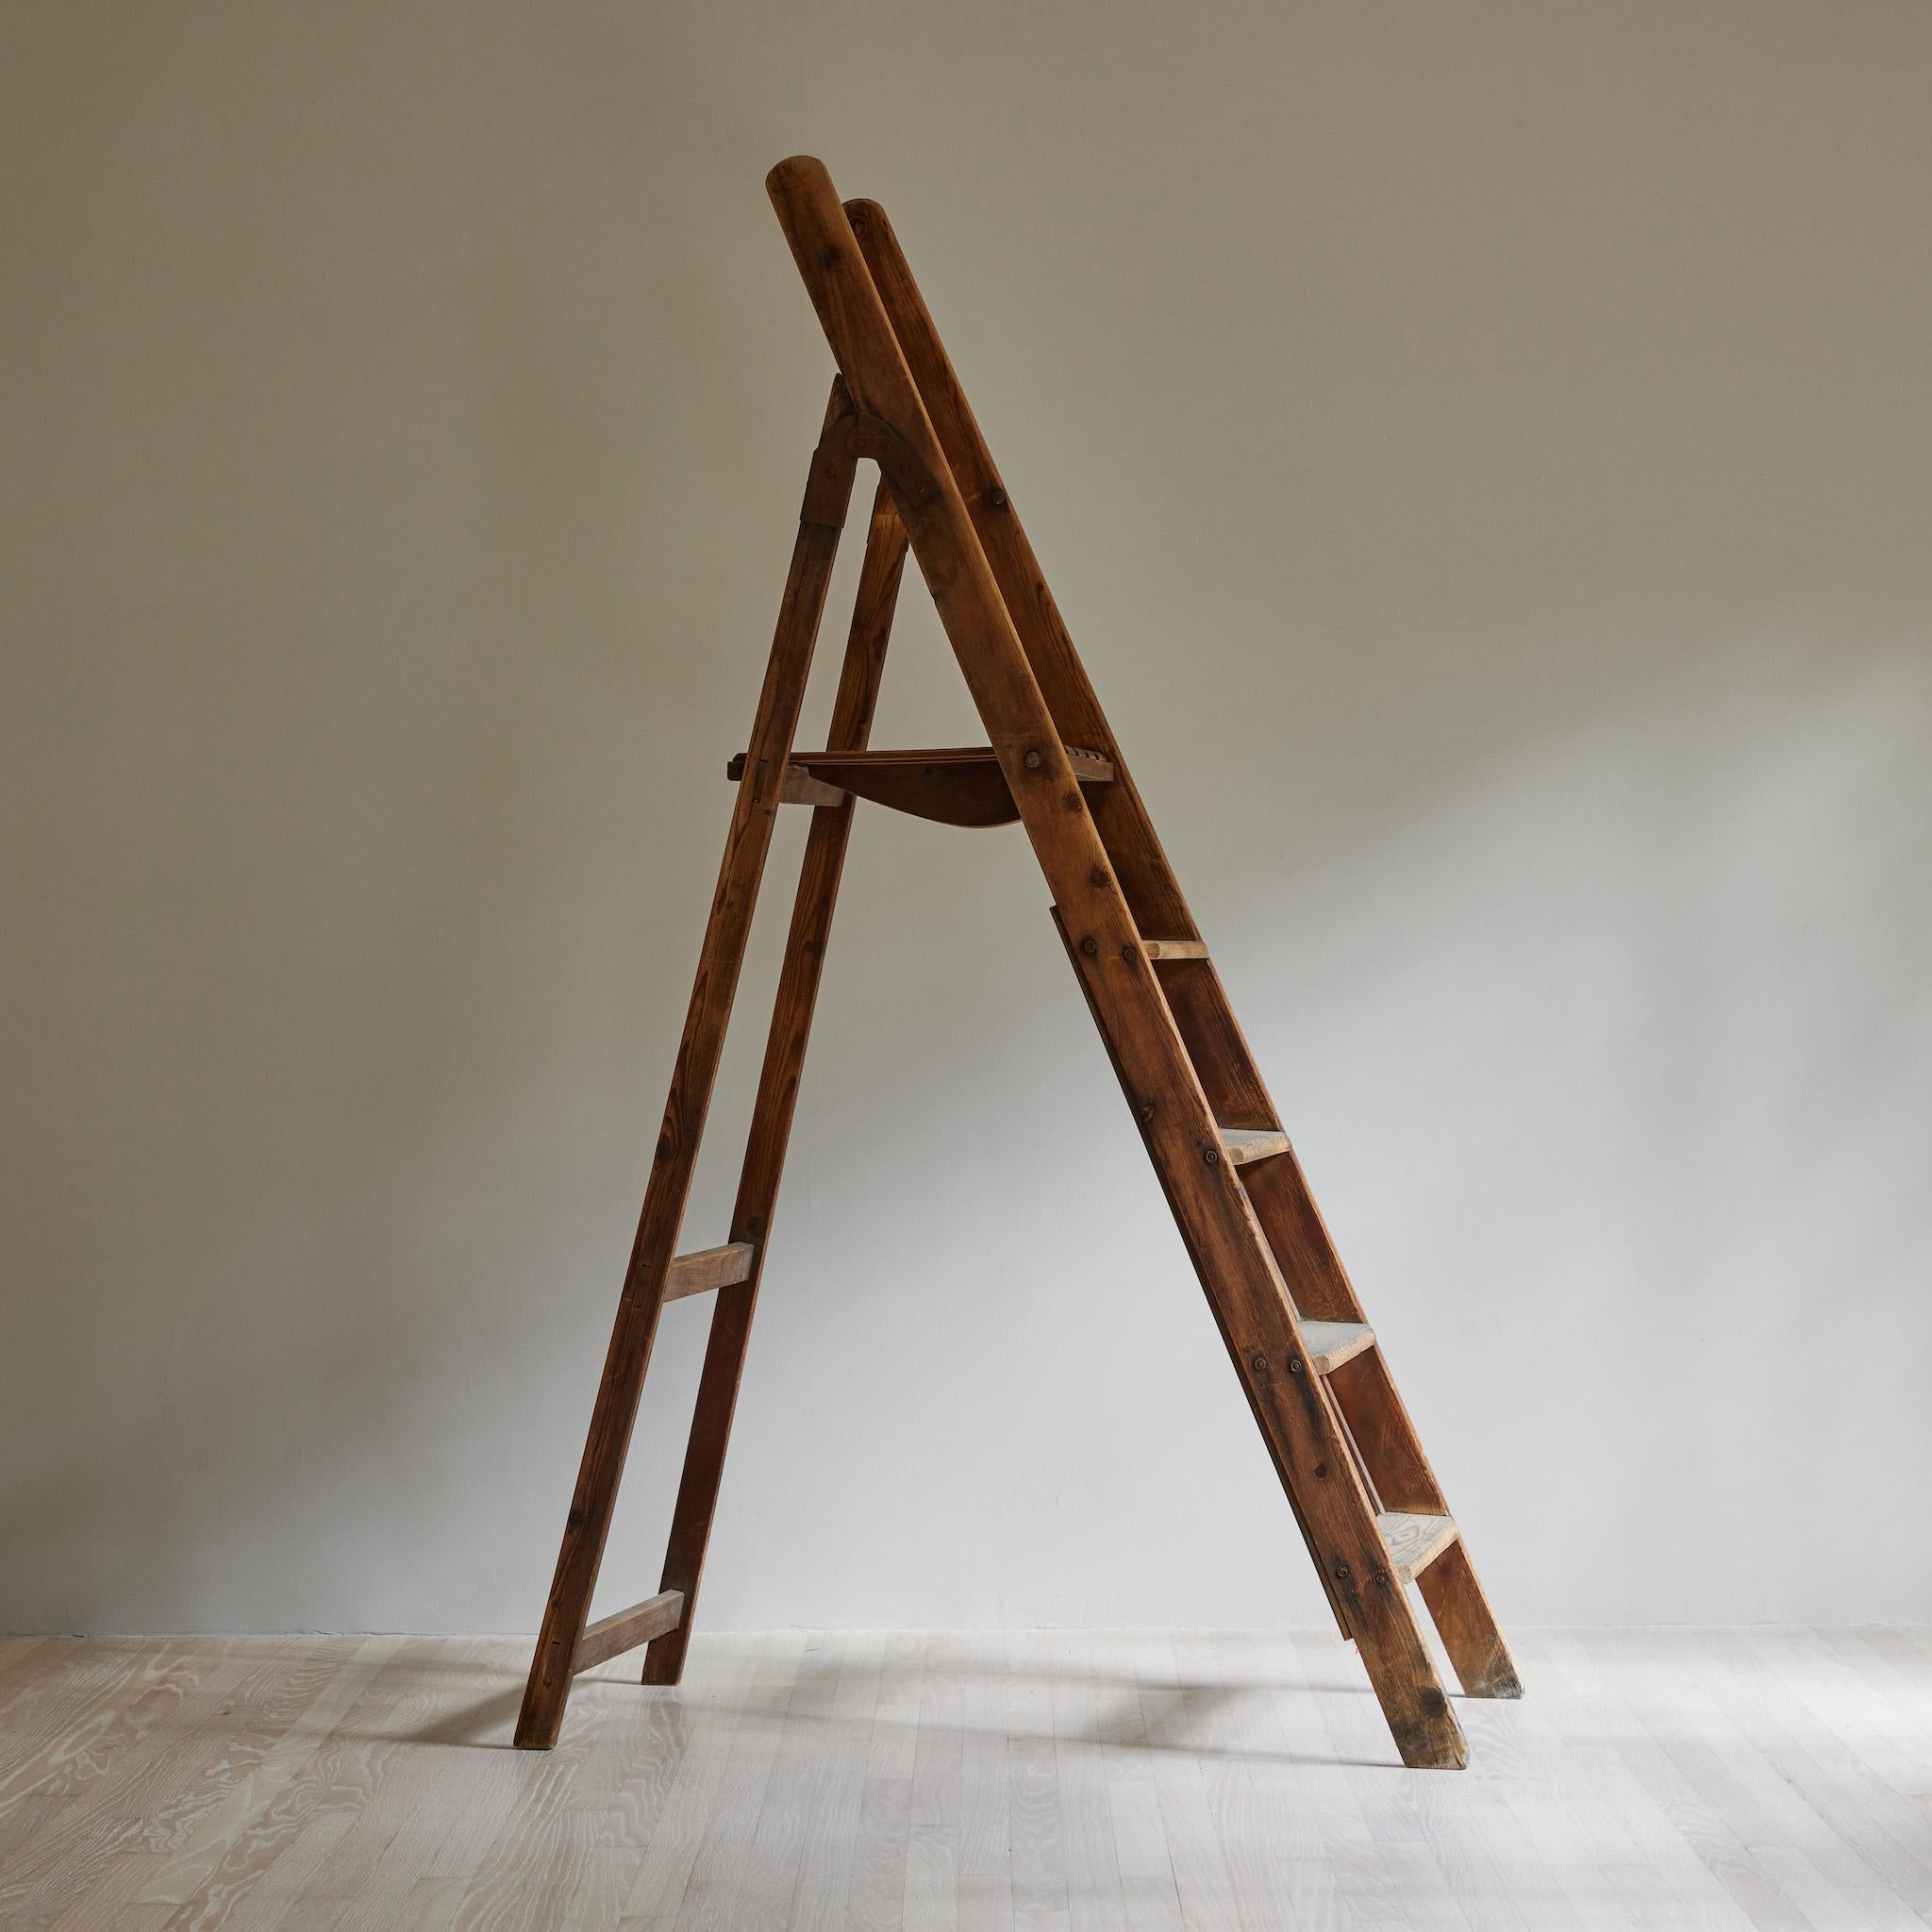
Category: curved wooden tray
<point>953,785</point>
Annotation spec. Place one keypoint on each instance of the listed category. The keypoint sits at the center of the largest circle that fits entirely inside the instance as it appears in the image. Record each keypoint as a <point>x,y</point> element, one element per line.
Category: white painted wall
<point>1486,456</point>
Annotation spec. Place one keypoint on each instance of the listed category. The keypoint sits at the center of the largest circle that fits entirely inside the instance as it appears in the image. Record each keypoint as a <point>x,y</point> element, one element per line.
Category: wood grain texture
<point>1331,1343</point>
<point>1717,1779</point>
<point>1147,879</point>
<point>954,785</point>
<point>1235,1266</point>
<point>705,1269</point>
<point>614,1412</point>
<point>1245,1144</point>
<point>870,631</point>
<point>1414,1540</point>
<point>624,1630</point>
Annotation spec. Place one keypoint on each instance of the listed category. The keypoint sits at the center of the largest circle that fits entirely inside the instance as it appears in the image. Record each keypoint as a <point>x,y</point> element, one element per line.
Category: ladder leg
<point>770,1126</point>
<point>556,1660</point>
<point>1304,1437</point>
<point>1367,1394</point>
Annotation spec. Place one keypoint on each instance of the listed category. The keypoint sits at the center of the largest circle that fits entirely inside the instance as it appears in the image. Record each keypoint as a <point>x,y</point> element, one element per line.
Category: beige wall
<point>1486,455</point>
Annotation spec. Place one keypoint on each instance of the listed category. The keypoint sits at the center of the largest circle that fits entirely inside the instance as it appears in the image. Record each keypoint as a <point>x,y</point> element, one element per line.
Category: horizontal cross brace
<point>610,1637</point>
<point>710,1267</point>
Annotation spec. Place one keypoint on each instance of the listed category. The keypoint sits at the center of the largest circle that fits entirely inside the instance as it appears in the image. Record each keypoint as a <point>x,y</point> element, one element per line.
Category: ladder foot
<point>1429,1737</point>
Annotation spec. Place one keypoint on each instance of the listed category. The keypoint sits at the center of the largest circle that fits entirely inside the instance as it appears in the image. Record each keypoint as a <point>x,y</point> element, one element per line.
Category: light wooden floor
<point>1649,1779</point>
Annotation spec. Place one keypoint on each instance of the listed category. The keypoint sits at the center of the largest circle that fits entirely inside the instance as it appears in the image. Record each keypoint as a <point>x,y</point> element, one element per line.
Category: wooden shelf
<point>952,785</point>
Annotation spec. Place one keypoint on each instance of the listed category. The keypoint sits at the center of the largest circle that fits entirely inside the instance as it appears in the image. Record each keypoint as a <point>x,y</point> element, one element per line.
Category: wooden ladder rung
<point>1174,949</point>
<point>1414,1540</point>
<point>708,1268</point>
<point>1331,1343</point>
<point>1243,1144</point>
<point>610,1637</point>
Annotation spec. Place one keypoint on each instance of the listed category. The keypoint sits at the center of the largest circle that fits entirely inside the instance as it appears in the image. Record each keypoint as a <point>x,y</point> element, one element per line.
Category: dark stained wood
<point>1151,893</point>
<point>1233,1260</point>
<point>610,1637</point>
<point>954,785</point>
<point>770,1125</point>
<point>708,1268</point>
<point>1214,1042</point>
<point>1356,1481</point>
<point>1367,1397</point>
<point>1468,1626</point>
<point>754,811</point>
<point>1296,1237</point>
<point>1249,1385</point>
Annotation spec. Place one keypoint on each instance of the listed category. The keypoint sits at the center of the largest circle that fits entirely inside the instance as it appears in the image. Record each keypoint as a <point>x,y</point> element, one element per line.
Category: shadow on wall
<point>1516,608</point>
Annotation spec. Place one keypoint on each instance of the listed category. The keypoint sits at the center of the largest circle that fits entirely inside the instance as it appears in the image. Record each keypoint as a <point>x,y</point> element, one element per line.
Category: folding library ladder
<point>1312,1369</point>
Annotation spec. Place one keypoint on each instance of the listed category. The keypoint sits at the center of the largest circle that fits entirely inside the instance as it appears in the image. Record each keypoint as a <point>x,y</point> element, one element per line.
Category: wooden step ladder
<point>1313,1372</point>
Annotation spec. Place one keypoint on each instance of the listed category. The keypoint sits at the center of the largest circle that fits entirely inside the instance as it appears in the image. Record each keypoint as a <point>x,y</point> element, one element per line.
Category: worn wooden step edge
<point>1414,1540</point>
<point>1331,1343</point>
<point>611,1636</point>
<point>1174,949</point>
<point>707,1268</point>
<point>1243,1144</point>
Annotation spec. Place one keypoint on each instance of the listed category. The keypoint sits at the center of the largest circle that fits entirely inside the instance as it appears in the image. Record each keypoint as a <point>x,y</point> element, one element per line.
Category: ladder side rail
<point>1249,1390</point>
<point>1201,1008</point>
<point>778,1092</point>
<point>1371,1410</point>
<point>1153,894</point>
<point>754,811</point>
<point>1216,1223</point>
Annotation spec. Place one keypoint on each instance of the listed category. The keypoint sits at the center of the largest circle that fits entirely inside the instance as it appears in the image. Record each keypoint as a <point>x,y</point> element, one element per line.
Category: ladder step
<point>710,1267</point>
<point>1174,949</point>
<point>610,1637</point>
<point>955,784</point>
<point>1414,1541</point>
<point>1331,1343</point>
<point>1245,1144</point>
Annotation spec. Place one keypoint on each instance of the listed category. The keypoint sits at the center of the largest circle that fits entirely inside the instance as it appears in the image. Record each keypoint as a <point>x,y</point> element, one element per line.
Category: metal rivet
<point>997,497</point>
<point>1130,952</point>
<point>1258,1363</point>
<point>1090,945</point>
<point>1294,1365</point>
<point>1341,1570</point>
<point>1211,1155</point>
<point>1033,761</point>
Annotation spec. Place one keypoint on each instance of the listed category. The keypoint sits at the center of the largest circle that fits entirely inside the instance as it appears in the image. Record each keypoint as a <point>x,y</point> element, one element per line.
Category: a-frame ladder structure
<point>1314,1372</point>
